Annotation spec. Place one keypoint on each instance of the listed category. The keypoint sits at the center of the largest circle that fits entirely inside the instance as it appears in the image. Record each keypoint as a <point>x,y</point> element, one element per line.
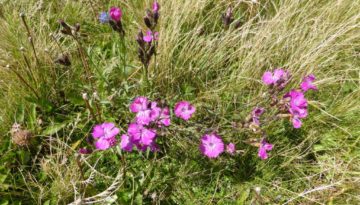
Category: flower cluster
<point>142,132</point>
<point>113,17</point>
<point>149,117</point>
<point>294,101</point>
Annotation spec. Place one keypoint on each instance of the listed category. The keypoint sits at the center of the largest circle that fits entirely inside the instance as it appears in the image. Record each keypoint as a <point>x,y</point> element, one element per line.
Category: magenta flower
<point>139,104</point>
<point>297,107</point>
<point>230,148</point>
<point>297,99</point>
<point>106,130</point>
<point>156,6</point>
<point>270,78</point>
<point>126,143</point>
<point>105,134</point>
<point>296,121</point>
<point>115,13</point>
<point>164,117</point>
<point>307,83</point>
<point>141,135</point>
<point>104,144</point>
<point>211,145</point>
<point>264,147</point>
<point>150,36</point>
<point>184,110</point>
<point>256,113</point>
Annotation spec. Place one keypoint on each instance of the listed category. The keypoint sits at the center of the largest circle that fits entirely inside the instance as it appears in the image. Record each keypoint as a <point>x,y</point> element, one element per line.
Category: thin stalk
<point>29,68</point>
<point>29,36</point>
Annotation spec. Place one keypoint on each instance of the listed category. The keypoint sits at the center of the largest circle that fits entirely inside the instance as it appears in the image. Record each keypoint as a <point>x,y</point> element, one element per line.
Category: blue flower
<point>104,17</point>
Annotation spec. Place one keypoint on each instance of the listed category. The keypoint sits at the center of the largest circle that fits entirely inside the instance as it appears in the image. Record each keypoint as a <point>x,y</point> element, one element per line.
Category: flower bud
<point>66,28</point>
<point>227,17</point>
<point>147,22</point>
<point>140,39</point>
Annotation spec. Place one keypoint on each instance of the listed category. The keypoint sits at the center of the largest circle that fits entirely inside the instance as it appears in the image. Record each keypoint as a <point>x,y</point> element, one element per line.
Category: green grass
<point>217,69</point>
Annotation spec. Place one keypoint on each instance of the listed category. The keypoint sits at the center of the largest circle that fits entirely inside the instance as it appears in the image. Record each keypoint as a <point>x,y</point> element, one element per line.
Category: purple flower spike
<point>230,148</point>
<point>115,13</point>
<point>126,143</point>
<point>184,110</point>
<point>307,83</point>
<point>211,145</point>
<point>264,147</point>
<point>156,6</point>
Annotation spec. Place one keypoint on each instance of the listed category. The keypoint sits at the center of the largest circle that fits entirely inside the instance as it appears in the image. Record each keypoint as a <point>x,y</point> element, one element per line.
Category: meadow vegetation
<point>55,87</point>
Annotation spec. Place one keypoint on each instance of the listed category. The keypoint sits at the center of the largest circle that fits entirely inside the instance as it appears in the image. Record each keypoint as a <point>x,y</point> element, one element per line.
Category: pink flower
<point>184,110</point>
<point>103,143</point>
<point>105,134</point>
<point>278,78</point>
<point>307,83</point>
<point>264,147</point>
<point>106,130</point>
<point>150,36</point>
<point>211,145</point>
<point>126,143</point>
<point>270,78</point>
<point>156,6</point>
<point>115,13</point>
<point>141,135</point>
<point>297,107</point>
<point>296,122</point>
<point>230,148</point>
<point>139,104</point>
<point>143,117</point>
<point>164,117</point>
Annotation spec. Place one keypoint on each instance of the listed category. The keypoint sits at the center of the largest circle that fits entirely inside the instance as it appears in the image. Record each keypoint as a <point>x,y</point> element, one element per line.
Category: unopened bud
<point>22,14</point>
<point>147,22</point>
<point>22,49</point>
<point>66,28</point>
<point>227,17</point>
